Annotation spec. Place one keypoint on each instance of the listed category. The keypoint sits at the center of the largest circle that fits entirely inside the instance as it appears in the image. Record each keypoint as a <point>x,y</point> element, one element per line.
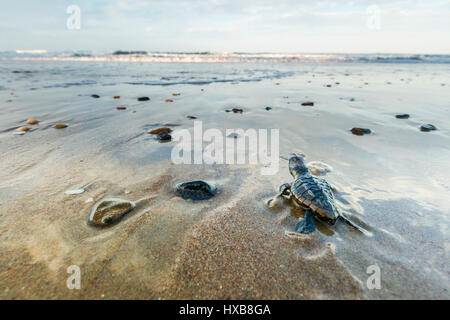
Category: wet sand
<point>393,182</point>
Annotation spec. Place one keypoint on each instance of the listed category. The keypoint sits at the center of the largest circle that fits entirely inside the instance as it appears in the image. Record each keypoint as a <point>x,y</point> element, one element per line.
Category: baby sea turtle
<point>311,193</point>
<point>195,190</point>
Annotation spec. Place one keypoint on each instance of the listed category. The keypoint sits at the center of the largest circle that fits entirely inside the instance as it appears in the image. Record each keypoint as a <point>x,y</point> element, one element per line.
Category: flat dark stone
<point>191,117</point>
<point>360,131</point>
<point>308,104</point>
<point>195,190</point>
<point>268,108</point>
<point>143,99</point>
<point>95,96</point>
<point>427,128</point>
<point>402,116</point>
<point>164,137</point>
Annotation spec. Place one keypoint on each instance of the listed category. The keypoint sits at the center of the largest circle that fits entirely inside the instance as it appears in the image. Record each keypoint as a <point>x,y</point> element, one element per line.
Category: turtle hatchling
<point>311,193</point>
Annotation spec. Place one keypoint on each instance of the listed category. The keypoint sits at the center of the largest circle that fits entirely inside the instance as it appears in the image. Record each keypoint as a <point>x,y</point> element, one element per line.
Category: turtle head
<point>297,165</point>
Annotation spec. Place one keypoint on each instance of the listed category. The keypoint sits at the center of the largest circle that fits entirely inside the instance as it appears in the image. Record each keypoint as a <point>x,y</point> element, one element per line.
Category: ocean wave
<point>211,57</point>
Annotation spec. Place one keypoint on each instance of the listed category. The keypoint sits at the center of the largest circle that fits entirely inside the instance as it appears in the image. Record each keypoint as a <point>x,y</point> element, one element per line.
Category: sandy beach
<point>394,182</point>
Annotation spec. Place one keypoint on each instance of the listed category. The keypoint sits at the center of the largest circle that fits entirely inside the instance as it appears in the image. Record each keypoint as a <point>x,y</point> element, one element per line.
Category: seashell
<point>109,211</point>
<point>75,191</point>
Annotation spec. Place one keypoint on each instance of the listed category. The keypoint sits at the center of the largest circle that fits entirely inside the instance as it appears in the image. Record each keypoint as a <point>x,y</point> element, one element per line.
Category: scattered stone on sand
<point>32,121</point>
<point>95,96</point>
<point>427,128</point>
<point>402,116</point>
<point>195,190</point>
<point>23,129</point>
<point>160,130</point>
<point>235,110</point>
<point>191,117</point>
<point>319,168</point>
<point>109,211</point>
<point>121,108</point>
<point>168,100</point>
<point>75,191</point>
<point>308,104</point>
<point>328,86</point>
<point>360,131</point>
<point>175,94</point>
<point>143,99</point>
<point>116,97</point>
<point>268,108</point>
<point>60,125</point>
<point>164,137</point>
<point>233,135</point>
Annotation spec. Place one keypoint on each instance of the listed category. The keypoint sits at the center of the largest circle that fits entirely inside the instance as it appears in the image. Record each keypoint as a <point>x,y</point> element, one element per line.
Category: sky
<point>323,26</point>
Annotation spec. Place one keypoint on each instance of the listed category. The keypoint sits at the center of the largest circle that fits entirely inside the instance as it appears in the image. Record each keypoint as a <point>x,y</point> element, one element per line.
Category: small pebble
<point>95,96</point>
<point>308,104</point>
<point>32,121</point>
<point>164,137</point>
<point>360,131</point>
<point>169,100</point>
<point>116,97</point>
<point>76,191</point>
<point>268,108</point>
<point>121,108</point>
<point>175,94</point>
<point>191,117</point>
<point>237,110</point>
<point>427,128</point>
<point>60,126</point>
<point>195,190</point>
<point>160,130</point>
<point>402,116</point>
<point>22,129</point>
<point>143,98</point>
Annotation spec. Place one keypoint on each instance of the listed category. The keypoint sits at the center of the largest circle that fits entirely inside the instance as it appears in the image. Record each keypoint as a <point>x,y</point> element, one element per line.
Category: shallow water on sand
<point>393,182</point>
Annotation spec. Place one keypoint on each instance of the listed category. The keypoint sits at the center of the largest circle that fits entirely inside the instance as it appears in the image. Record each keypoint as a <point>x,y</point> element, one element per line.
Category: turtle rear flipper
<point>306,225</point>
<point>354,225</point>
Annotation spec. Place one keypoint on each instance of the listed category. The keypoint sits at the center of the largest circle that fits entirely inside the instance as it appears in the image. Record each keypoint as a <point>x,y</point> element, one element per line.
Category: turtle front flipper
<point>285,191</point>
<point>306,225</point>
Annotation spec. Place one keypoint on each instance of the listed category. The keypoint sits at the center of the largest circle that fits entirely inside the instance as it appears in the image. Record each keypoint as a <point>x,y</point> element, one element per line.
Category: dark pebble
<point>237,110</point>
<point>195,190</point>
<point>121,108</point>
<point>360,131</point>
<point>402,116</point>
<point>268,108</point>
<point>164,137</point>
<point>191,117</point>
<point>143,99</point>
<point>95,96</point>
<point>427,128</point>
<point>309,104</point>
